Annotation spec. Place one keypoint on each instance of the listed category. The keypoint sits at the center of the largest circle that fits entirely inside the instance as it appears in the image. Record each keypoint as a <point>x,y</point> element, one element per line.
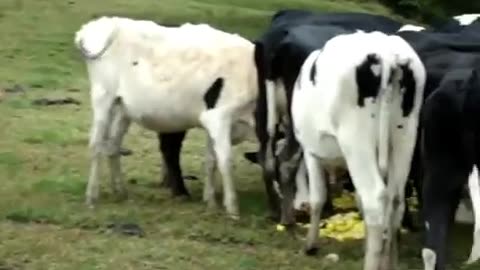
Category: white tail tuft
<point>94,37</point>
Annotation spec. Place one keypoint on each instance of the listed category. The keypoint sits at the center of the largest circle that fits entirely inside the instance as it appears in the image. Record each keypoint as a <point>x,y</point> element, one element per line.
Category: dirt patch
<point>128,229</point>
<point>57,101</point>
<point>17,88</point>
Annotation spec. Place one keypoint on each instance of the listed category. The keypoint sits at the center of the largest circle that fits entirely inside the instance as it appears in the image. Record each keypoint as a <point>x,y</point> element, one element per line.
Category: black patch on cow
<point>391,75</point>
<point>135,63</point>
<point>400,126</point>
<point>313,73</point>
<point>212,94</point>
<point>368,83</point>
<point>409,84</point>
<point>313,70</point>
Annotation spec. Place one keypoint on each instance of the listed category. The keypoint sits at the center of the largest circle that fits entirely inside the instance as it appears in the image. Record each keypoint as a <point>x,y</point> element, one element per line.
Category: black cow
<point>450,140</point>
<point>446,147</point>
<point>357,20</point>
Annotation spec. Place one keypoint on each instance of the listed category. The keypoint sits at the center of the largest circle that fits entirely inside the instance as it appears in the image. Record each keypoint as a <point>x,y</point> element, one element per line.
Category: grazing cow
<point>359,109</point>
<point>450,138</point>
<point>279,54</point>
<point>415,171</point>
<point>275,49</point>
<point>137,71</point>
<point>450,60</point>
<point>438,216</point>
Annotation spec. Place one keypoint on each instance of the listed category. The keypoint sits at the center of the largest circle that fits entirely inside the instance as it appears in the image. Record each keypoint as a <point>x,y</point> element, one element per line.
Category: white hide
<point>429,259</point>
<point>335,132</point>
<point>157,77</point>
<point>411,27</point>
<point>466,19</point>
<point>473,184</point>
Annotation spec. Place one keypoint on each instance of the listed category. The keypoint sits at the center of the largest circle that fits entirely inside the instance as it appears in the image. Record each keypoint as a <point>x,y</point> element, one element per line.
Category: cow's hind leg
<point>474,187</point>
<point>218,125</point>
<point>164,179</point>
<point>403,141</point>
<point>318,197</point>
<point>209,187</point>
<point>102,105</point>
<point>119,128</point>
<point>362,165</point>
<point>171,147</point>
<point>442,188</point>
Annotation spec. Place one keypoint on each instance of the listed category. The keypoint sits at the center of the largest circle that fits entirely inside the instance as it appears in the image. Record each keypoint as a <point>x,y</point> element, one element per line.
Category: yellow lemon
<point>330,226</point>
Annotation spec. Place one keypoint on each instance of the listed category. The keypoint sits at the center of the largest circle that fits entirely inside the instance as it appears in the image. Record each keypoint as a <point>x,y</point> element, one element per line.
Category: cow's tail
<point>384,118</point>
<point>266,90</point>
<point>307,74</point>
<point>266,111</point>
<point>95,37</point>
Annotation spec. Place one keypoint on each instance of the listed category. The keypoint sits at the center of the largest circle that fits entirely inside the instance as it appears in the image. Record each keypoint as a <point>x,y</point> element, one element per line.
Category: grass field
<point>44,224</point>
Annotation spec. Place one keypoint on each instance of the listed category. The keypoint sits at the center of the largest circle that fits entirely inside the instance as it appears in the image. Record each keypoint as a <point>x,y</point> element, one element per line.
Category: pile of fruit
<point>342,227</point>
<point>345,226</point>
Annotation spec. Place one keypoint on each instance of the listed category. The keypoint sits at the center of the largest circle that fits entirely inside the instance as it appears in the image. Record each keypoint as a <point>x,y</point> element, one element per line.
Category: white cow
<point>358,108</point>
<point>167,79</point>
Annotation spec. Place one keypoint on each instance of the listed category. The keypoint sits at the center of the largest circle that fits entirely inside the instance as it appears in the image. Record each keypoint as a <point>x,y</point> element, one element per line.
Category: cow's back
<point>356,20</point>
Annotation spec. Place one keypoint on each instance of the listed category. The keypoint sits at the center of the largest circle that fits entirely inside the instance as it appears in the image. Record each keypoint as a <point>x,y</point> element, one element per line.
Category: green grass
<point>44,159</point>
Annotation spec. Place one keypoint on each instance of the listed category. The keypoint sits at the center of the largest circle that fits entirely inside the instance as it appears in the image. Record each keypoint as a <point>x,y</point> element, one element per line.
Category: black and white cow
<point>429,43</point>
<point>457,23</point>
<point>451,61</point>
<point>358,109</point>
<point>274,49</point>
<point>356,20</point>
<point>279,54</point>
<point>450,135</point>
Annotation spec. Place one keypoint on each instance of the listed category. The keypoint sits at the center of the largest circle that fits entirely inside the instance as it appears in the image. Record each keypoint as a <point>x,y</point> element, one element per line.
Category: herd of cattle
<point>392,105</point>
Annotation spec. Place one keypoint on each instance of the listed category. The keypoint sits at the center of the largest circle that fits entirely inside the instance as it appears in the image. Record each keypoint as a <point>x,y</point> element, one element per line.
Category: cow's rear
<point>359,109</point>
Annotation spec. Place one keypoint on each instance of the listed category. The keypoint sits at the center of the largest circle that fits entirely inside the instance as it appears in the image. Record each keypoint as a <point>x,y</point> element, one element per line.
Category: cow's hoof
<point>302,216</point>
<point>181,193</point>
<point>234,217</point>
<point>165,183</point>
<point>90,204</point>
<point>212,203</point>
<point>310,250</point>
